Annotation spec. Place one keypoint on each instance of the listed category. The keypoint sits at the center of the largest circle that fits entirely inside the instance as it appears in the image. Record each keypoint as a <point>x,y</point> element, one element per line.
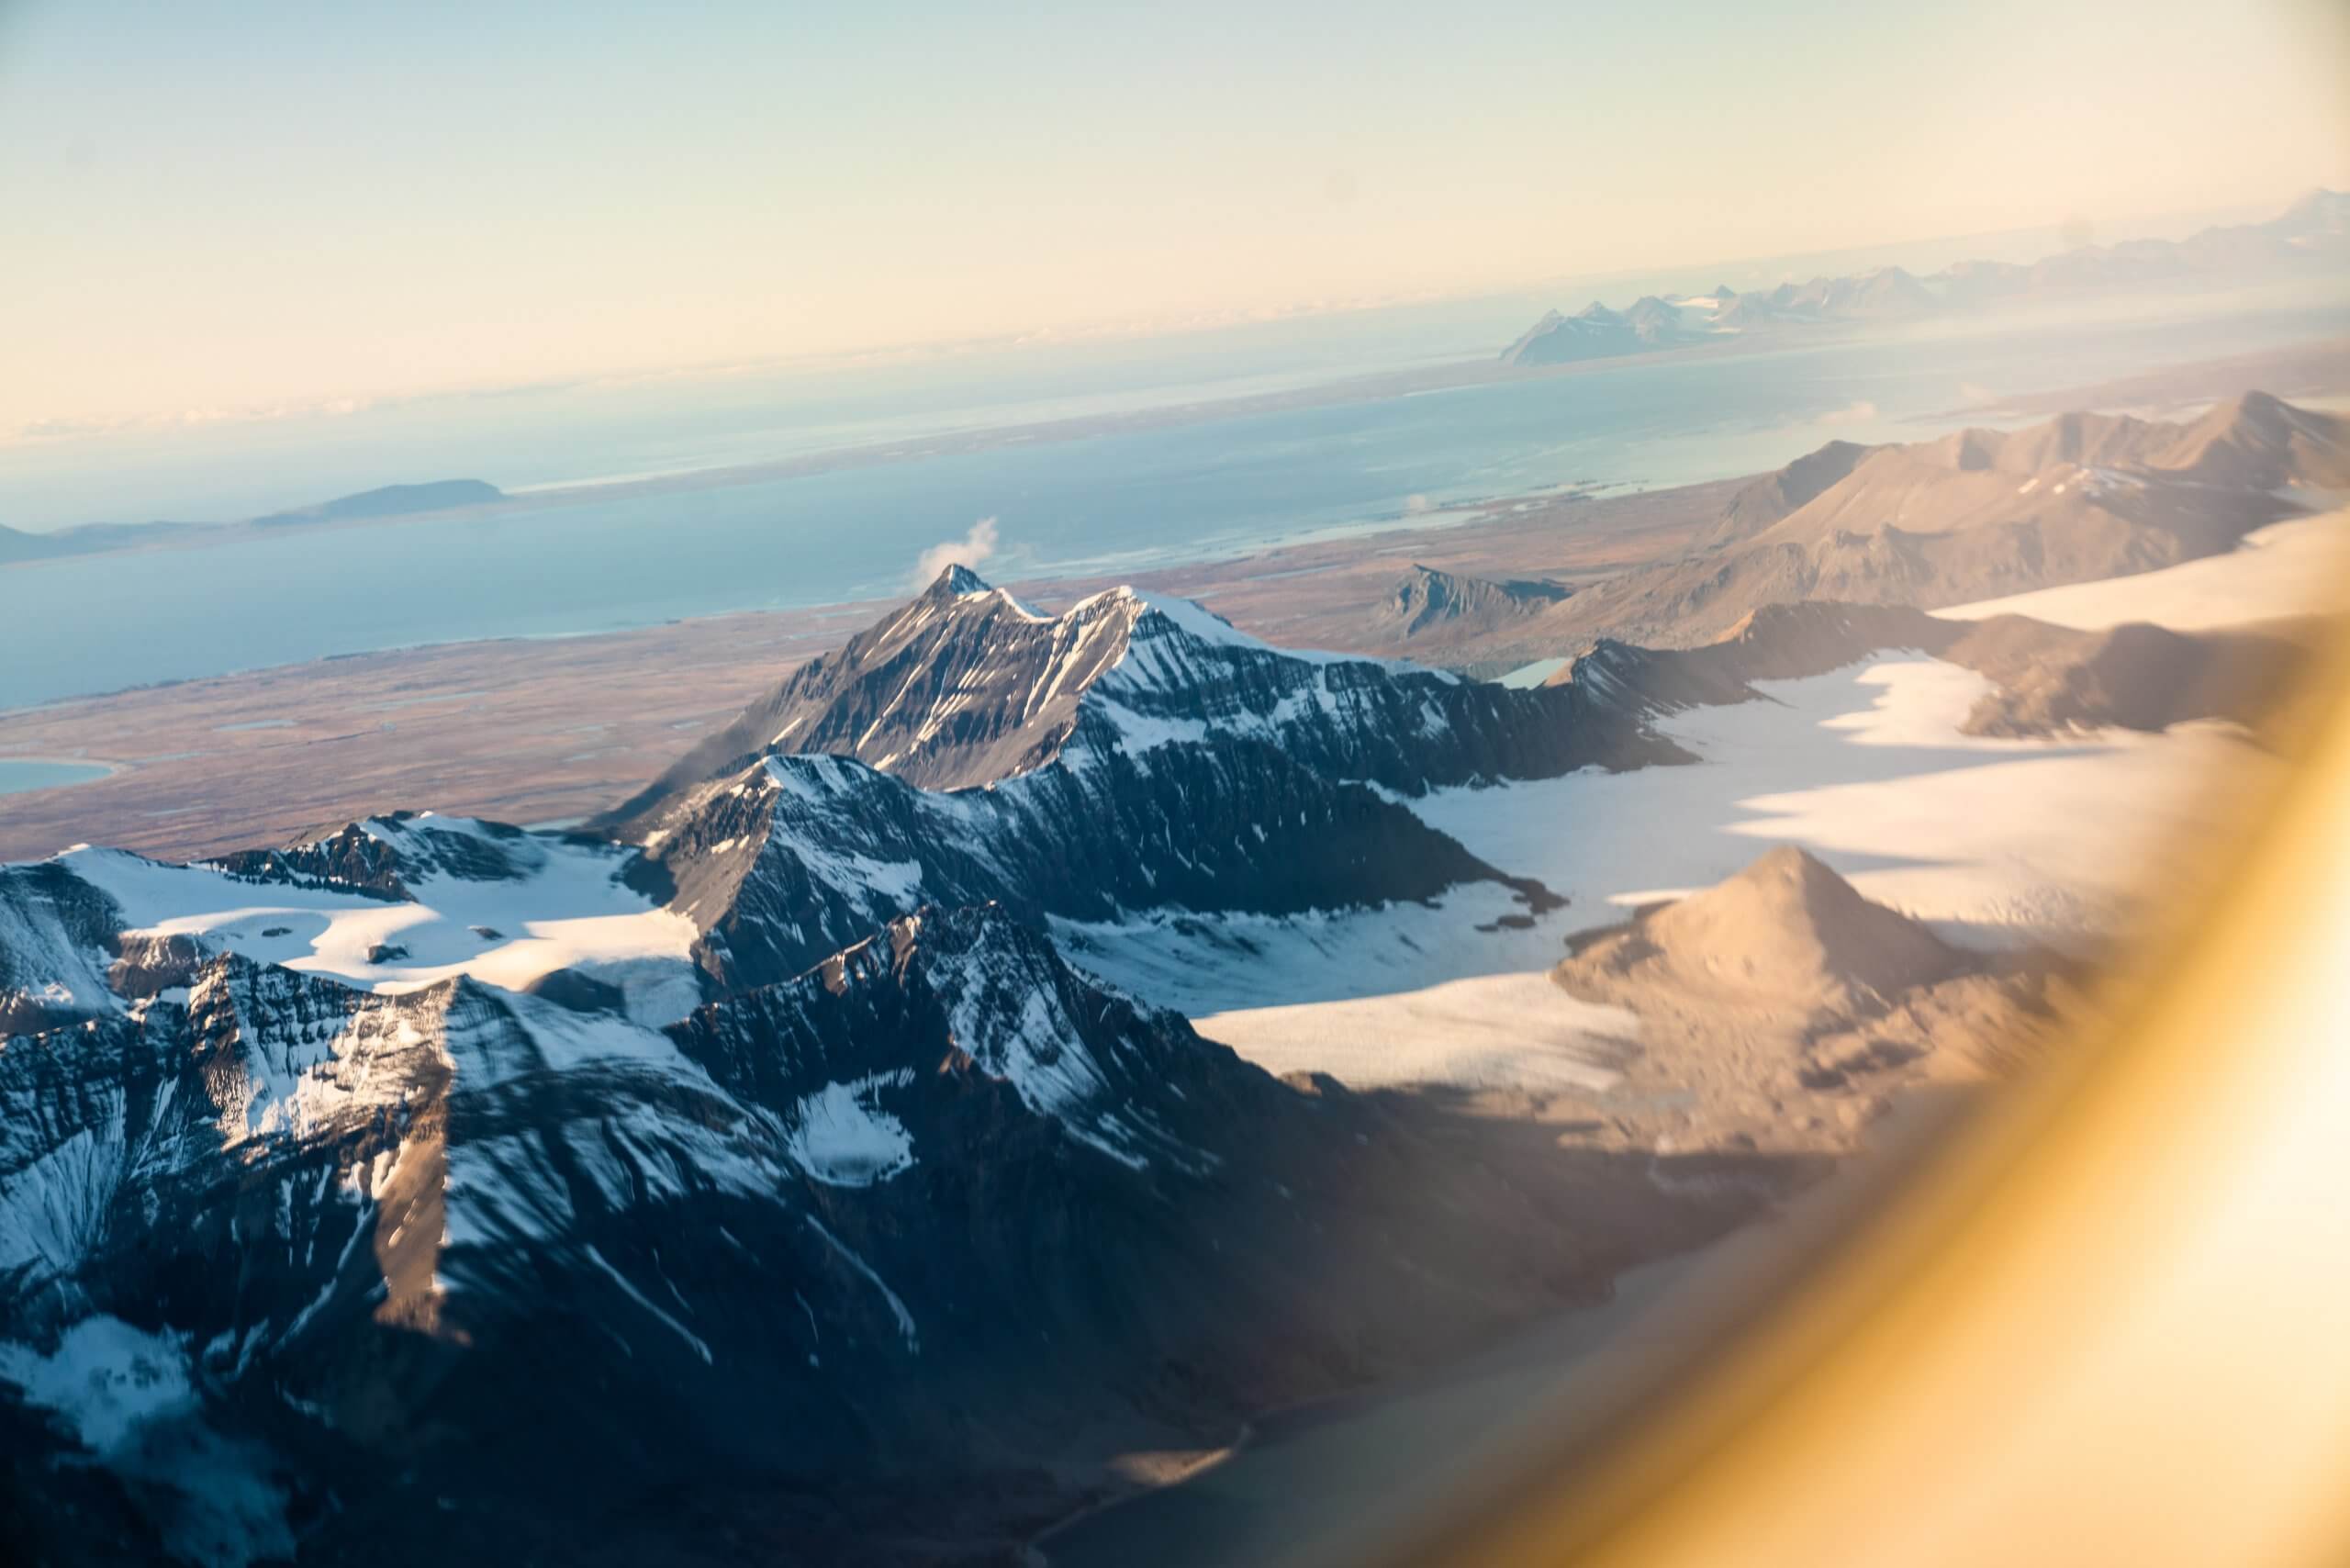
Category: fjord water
<point>573,563</point>
<point>19,775</point>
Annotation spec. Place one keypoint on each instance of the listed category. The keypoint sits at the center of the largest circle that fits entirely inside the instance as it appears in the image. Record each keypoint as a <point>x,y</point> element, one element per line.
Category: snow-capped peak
<point>961,580</point>
<point>957,689</point>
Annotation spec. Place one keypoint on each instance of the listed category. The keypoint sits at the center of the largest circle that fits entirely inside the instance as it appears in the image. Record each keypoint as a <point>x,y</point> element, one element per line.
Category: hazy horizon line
<point>62,429</point>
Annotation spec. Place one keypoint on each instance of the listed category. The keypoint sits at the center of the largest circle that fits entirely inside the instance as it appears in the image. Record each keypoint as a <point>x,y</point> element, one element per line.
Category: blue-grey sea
<point>1110,502</point>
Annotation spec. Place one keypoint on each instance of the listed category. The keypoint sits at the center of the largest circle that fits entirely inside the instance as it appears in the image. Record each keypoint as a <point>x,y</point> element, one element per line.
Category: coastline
<point>105,768</point>
<point>1363,387</point>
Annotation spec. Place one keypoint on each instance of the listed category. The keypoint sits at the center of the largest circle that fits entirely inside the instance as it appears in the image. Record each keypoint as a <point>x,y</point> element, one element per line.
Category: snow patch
<point>565,908</point>
<point>692,1341</point>
<point>906,1329</point>
<point>842,1138</point>
<point>106,1377</point>
<point>127,1395</point>
<point>1526,676</point>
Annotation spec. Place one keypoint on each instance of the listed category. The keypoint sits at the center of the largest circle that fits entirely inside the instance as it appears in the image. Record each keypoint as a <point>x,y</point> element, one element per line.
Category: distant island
<point>384,501</point>
<point>2313,233</point>
<point>391,500</point>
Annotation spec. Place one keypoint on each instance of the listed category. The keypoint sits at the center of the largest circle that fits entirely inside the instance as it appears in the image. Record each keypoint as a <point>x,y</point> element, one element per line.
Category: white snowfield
<point>1486,1031</point>
<point>1996,841</point>
<point>567,910</point>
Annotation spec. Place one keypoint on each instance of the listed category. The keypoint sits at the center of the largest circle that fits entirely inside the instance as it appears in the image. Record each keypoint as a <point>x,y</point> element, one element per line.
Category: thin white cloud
<point>968,551</point>
<point>42,431</point>
<point>1858,414</point>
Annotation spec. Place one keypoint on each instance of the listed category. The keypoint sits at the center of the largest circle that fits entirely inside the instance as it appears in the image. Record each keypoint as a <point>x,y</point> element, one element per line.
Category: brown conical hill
<point>1789,930</point>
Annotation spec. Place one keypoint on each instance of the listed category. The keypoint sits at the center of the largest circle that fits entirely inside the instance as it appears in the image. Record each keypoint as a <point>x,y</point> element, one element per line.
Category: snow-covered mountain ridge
<point>965,685</point>
<point>392,904</point>
<point>722,1132</point>
<point>344,1238</point>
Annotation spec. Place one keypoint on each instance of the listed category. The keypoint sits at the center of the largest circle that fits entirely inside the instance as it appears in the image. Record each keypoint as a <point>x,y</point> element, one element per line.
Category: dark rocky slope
<point>786,860</point>
<point>890,1260</point>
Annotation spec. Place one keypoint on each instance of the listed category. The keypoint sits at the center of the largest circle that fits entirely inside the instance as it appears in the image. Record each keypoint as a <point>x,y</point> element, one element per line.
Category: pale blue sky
<point>227,208</point>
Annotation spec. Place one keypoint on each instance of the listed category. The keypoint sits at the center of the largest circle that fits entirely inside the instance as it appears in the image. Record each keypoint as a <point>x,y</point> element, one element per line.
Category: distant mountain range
<point>1597,333</point>
<point>2311,234</point>
<point>1976,514</point>
<point>1979,514</point>
<point>388,501</point>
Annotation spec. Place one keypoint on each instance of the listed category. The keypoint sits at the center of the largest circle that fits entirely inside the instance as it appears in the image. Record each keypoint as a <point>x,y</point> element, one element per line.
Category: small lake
<point>15,777</point>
